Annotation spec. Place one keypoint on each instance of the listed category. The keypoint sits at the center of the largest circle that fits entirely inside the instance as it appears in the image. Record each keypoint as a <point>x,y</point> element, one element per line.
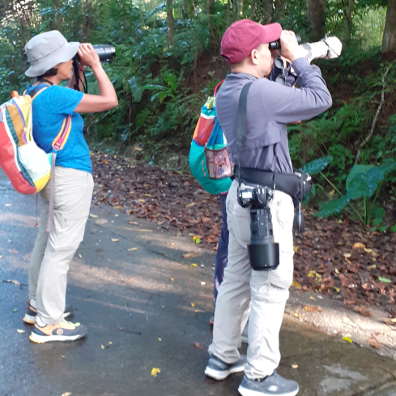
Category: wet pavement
<point>146,297</point>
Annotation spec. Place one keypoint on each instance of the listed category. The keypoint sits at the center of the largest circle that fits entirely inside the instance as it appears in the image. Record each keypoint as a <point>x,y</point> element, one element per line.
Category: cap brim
<point>62,54</point>
<point>272,32</point>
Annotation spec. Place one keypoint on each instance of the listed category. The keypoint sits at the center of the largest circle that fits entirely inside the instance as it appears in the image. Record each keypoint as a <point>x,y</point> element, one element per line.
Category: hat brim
<point>63,54</point>
<point>271,32</point>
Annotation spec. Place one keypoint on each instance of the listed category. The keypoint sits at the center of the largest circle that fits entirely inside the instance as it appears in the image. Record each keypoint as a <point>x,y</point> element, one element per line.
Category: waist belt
<point>294,184</point>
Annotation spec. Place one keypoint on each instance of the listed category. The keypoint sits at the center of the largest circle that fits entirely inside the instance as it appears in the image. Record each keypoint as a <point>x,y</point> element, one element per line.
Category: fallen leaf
<point>194,265</point>
<point>362,310</point>
<point>155,371</point>
<point>13,281</point>
<point>297,285</point>
<point>384,280</point>
<point>358,245</point>
<point>390,321</point>
<point>190,255</point>
<point>198,345</point>
<point>197,240</point>
<point>312,308</point>
<point>314,274</point>
<point>374,343</point>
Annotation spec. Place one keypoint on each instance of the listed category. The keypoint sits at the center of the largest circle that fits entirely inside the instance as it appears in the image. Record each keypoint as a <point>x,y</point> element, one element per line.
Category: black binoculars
<point>106,52</point>
<point>273,45</point>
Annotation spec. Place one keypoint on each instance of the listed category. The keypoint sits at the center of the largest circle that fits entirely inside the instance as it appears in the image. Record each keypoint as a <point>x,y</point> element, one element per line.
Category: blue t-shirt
<point>50,108</point>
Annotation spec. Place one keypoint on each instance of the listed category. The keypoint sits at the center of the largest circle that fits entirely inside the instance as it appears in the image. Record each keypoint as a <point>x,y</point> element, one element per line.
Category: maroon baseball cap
<point>245,35</point>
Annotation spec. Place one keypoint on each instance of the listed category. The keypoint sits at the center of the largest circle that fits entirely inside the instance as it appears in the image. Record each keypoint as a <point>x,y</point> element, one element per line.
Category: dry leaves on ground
<point>333,257</point>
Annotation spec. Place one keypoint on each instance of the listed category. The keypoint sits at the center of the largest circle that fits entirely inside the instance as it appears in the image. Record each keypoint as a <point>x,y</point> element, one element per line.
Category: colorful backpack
<point>27,166</point>
<point>208,139</point>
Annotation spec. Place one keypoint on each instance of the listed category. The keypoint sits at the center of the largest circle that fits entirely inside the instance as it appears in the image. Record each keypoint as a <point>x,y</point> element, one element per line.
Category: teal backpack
<point>209,138</point>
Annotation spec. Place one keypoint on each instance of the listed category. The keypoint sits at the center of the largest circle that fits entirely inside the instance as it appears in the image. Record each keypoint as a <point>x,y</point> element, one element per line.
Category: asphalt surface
<point>146,297</point>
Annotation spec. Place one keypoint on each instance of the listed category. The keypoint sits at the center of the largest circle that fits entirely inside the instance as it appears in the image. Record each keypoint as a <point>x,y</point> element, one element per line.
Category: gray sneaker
<point>273,385</point>
<point>219,370</point>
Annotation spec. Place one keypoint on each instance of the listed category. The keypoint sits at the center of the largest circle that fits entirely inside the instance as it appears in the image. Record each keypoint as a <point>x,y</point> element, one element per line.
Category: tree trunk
<point>262,11</point>
<point>171,21</point>
<point>211,26</point>
<point>389,38</point>
<point>279,9</point>
<point>317,18</point>
<point>236,9</point>
<point>188,9</point>
<point>348,13</point>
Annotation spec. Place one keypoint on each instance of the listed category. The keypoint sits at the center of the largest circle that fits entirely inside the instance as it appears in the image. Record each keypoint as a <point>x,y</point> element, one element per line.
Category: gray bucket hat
<point>46,50</point>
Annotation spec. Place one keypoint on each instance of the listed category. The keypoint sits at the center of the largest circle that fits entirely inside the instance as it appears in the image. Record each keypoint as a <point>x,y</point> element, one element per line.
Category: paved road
<point>147,303</point>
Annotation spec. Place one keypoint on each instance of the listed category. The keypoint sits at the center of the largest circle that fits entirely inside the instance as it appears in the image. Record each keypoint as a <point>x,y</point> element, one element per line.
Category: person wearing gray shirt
<point>270,106</point>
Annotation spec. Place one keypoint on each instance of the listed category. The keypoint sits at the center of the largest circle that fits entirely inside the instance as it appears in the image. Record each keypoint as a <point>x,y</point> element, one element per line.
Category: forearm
<point>294,104</point>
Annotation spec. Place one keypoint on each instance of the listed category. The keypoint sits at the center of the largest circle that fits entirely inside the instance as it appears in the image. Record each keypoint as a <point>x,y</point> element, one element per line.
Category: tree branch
<point>374,122</point>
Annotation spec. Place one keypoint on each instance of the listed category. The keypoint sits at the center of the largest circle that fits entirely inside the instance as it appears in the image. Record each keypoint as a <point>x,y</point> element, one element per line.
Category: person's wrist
<point>96,66</point>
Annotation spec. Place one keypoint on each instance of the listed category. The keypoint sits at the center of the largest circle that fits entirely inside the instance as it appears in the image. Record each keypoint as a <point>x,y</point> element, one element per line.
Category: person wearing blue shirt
<point>65,202</point>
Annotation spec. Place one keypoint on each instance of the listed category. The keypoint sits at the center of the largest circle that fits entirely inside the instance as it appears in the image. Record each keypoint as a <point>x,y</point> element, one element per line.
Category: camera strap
<point>241,124</point>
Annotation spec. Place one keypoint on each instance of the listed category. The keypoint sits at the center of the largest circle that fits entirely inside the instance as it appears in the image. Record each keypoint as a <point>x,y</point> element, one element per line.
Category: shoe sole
<point>38,339</point>
<point>221,375</point>
<point>31,320</point>
<point>248,392</point>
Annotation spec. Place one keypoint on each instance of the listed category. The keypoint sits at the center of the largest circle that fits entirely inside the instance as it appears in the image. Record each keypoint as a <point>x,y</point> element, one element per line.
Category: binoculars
<point>106,52</point>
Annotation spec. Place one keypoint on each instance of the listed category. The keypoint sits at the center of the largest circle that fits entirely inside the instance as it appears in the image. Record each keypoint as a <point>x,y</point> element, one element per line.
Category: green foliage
<point>161,84</point>
<point>316,166</point>
<point>362,183</point>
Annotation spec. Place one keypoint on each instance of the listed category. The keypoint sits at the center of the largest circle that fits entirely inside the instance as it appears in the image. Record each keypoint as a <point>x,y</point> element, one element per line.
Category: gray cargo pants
<point>53,251</point>
<point>265,291</point>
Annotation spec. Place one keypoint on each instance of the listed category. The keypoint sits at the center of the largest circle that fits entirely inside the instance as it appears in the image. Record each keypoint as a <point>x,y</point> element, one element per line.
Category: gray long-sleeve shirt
<point>270,107</point>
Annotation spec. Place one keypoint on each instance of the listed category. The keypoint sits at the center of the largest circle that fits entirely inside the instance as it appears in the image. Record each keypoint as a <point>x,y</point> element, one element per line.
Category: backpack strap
<point>57,145</point>
<point>61,139</point>
<point>217,86</point>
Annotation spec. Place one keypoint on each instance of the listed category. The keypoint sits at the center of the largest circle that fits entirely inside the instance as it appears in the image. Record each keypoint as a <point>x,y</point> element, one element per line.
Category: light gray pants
<point>265,291</point>
<point>53,251</point>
